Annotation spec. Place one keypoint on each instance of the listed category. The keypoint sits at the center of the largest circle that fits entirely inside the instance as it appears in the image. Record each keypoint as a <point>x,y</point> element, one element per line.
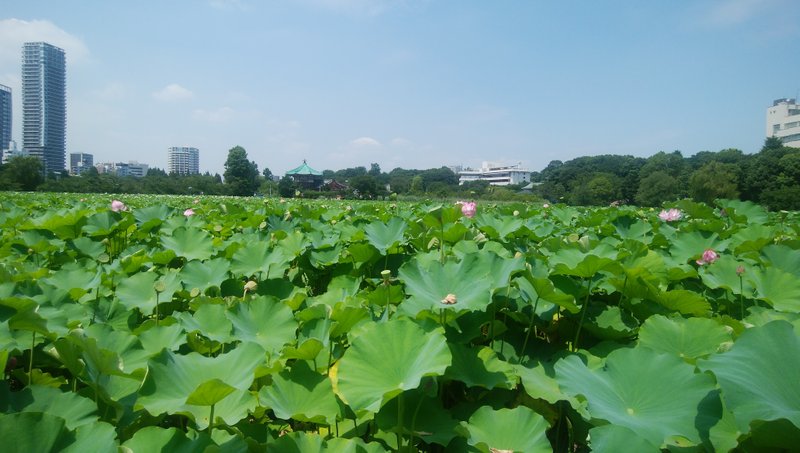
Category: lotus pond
<point>229,324</point>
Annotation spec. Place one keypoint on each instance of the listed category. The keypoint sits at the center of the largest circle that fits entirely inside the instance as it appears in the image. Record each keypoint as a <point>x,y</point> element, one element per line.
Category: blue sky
<point>412,84</point>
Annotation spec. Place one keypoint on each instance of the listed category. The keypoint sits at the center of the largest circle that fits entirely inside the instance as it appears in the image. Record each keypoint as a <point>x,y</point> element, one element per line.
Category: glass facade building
<point>5,117</point>
<point>44,104</point>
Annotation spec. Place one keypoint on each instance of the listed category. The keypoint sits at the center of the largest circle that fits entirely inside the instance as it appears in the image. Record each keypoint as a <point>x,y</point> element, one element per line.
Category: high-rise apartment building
<point>44,104</point>
<point>5,117</point>
<point>183,160</point>
<point>80,162</point>
<point>783,122</point>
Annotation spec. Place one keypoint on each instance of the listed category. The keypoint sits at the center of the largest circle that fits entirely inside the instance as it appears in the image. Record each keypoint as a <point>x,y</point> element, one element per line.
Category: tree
<point>366,185</point>
<point>286,187</point>
<point>241,175</point>
<point>656,188</point>
<point>374,170</point>
<point>22,173</point>
<point>714,180</point>
<point>267,173</point>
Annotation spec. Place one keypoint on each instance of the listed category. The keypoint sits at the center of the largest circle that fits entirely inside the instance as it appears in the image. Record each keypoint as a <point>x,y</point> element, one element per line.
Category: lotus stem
<point>530,327</point>
<point>414,422</point>
<point>400,409</point>
<point>211,420</point>
<point>741,300</point>
<point>583,316</point>
<point>30,362</point>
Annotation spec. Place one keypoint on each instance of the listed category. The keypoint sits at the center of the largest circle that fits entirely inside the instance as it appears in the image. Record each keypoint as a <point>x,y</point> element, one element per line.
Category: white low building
<point>496,174</point>
<point>783,122</point>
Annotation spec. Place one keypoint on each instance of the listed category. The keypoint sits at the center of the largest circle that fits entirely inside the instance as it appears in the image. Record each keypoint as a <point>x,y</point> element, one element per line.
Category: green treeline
<point>770,177</point>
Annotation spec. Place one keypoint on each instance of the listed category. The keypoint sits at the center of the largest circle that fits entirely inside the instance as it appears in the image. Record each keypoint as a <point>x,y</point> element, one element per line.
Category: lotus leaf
<point>758,375</point>
<point>407,352</point>
<point>658,401</point>
<point>301,394</point>
<point>518,429</point>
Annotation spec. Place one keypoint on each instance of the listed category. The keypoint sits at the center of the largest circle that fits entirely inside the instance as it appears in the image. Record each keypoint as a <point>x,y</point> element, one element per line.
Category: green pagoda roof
<point>304,170</point>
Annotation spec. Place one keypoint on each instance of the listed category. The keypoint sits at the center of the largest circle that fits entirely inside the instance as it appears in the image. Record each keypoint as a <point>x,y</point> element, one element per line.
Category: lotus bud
<point>450,299</point>
<point>250,286</point>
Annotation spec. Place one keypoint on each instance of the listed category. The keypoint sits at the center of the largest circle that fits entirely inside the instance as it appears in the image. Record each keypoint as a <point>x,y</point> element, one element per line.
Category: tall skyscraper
<point>44,104</point>
<point>80,162</point>
<point>183,160</point>
<point>5,116</point>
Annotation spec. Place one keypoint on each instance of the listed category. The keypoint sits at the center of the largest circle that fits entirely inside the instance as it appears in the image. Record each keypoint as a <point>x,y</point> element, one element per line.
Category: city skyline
<point>414,84</point>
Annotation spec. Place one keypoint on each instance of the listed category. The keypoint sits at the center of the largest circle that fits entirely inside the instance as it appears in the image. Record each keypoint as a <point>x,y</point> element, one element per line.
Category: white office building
<point>783,121</point>
<point>183,160</point>
<point>496,174</point>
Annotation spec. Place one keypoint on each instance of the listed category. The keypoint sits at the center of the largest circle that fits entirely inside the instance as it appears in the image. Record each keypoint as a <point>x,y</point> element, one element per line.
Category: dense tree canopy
<point>241,175</point>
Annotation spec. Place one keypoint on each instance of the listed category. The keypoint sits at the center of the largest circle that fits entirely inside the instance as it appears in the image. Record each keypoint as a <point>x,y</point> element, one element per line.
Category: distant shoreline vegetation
<point>770,177</point>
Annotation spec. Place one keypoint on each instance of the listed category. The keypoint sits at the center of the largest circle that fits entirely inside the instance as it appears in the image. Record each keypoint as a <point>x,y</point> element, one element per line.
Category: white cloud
<point>15,32</point>
<point>360,7</point>
<point>734,12</point>
<point>365,141</point>
<point>228,5</point>
<point>221,115</point>
<point>173,92</point>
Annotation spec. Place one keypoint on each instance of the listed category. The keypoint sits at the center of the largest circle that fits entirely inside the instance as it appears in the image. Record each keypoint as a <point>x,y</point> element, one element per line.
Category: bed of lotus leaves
<point>304,326</point>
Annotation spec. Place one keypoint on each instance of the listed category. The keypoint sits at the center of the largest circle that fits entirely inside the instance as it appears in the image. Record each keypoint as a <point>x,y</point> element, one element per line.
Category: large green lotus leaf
<point>76,281</point>
<point>480,367</point>
<point>689,339</point>
<point>692,244</point>
<point>265,321</point>
<point>498,227</point>
<point>303,442</point>
<point>615,439</point>
<point>779,288</point>
<point>139,290</point>
<point>658,401</point>
<point>609,322</point>
<point>97,437</point>
<point>571,261</point>
<point>759,316</point>
<point>258,259</point>
<point>407,352</point>
<point>758,375</point>
<point>541,292</point>
<point>102,223</point>
<point>628,227</point>
<point>301,394</point>
<point>156,338</point>
<point>723,275</point>
<point>294,244</point>
<point>21,313</point>
<point>782,257</point>
<point>745,211</point>
<point>518,429</point>
<point>423,416</point>
<point>172,379</point>
<point>88,247</point>
<point>752,238</point>
<point>150,216</point>
<point>27,432</point>
<point>190,243</point>
<point>210,321</point>
<point>74,409</point>
<point>471,280</point>
<point>173,440</point>
<point>685,302</point>
<point>339,289</point>
<point>204,274</point>
<point>209,393</point>
<point>384,236</point>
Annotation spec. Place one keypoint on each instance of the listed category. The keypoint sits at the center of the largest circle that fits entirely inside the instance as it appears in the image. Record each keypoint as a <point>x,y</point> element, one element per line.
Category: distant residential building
<point>496,174</point>
<point>783,121</point>
<point>79,162</point>
<point>131,168</point>
<point>306,177</point>
<point>12,151</point>
<point>183,160</point>
<point>44,104</point>
<point>5,117</point>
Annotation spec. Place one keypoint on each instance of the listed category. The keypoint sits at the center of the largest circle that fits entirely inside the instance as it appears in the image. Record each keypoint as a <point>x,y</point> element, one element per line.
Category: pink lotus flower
<point>670,215</point>
<point>117,206</point>
<point>739,270</point>
<point>468,208</point>
<point>189,212</point>
<point>709,256</point>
